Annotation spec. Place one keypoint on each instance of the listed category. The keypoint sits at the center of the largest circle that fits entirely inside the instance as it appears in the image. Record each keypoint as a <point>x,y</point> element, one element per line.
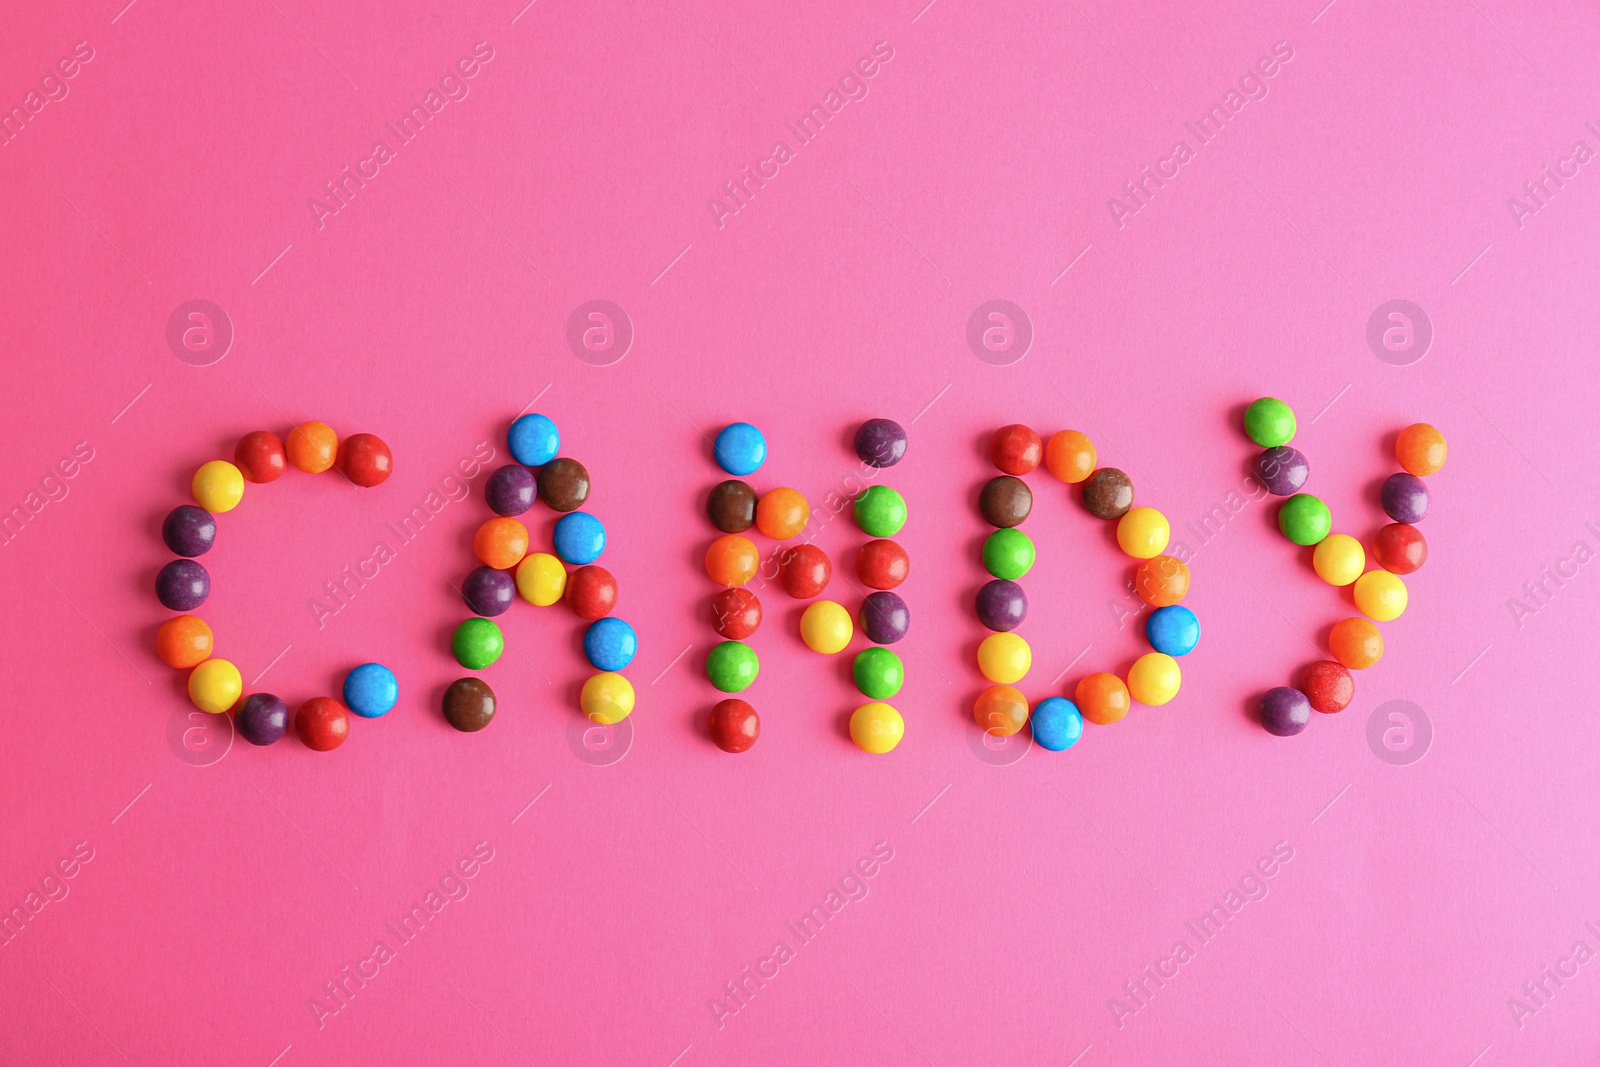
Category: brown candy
<point>563,484</point>
<point>1005,501</point>
<point>732,506</point>
<point>468,704</point>
<point>1107,493</point>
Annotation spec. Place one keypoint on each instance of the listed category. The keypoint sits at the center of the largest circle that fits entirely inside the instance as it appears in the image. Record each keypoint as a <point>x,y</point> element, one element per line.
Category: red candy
<point>322,723</point>
<point>735,614</point>
<point>735,726</point>
<point>1016,449</point>
<point>365,459</point>
<point>804,571</point>
<point>882,564</point>
<point>260,457</point>
<point>591,592</point>
<point>1399,548</point>
<point>1328,686</point>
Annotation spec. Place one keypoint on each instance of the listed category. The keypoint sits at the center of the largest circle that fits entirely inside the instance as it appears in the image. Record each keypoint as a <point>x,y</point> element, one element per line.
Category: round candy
<point>1381,596</point>
<point>365,459</point>
<point>825,627</point>
<point>260,458</point>
<point>1282,470</point>
<point>1008,554</point>
<point>541,579</point>
<point>533,440</point>
<point>885,618</point>
<point>189,531</point>
<point>735,614</point>
<point>1421,449</point>
<point>261,719</point>
<point>511,490</point>
<point>804,571</point>
<point>500,542</point>
<point>1285,711</point>
<point>740,449</point>
<point>782,514</point>
<point>312,447</point>
<point>591,592</point>
<point>1143,533</point>
<point>1328,686</point>
<point>1399,548</point>
<point>564,484</point>
<point>732,666</point>
<point>488,591</point>
<point>1304,519</point>
<point>371,690</point>
<point>1070,456</point>
<point>1102,698</point>
<point>732,506</point>
<point>1107,493</point>
<point>477,643</point>
<point>876,728</point>
<point>215,686</point>
<point>1000,710</point>
<point>878,673</point>
<point>1004,658</point>
<point>579,537</point>
<point>1154,679</point>
<point>880,511</point>
<point>732,559</point>
<point>218,486</point>
<point>881,442</point>
<point>1405,498</point>
<point>184,641</point>
<point>607,698</point>
<point>1002,605</point>
<point>468,704</point>
<point>1056,723</point>
<point>1172,630</point>
<point>882,564</point>
<point>1016,449</point>
<point>1162,581</point>
<point>610,644</point>
<point>1338,559</point>
<point>1269,422</point>
<point>1005,501</point>
<point>1356,643</point>
<point>734,725</point>
<point>183,585</point>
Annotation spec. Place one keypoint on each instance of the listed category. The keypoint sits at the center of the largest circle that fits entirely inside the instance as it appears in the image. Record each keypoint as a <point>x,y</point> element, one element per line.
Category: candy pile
<point>732,561</point>
<point>190,530</point>
<point>881,564</point>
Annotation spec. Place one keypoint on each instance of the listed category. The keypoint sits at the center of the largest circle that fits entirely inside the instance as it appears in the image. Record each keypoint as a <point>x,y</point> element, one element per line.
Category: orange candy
<point>732,560</point>
<point>184,641</point>
<point>1103,698</point>
<point>1356,643</point>
<point>782,514</point>
<point>1421,449</point>
<point>1070,456</point>
<point>1162,581</point>
<point>312,447</point>
<point>501,543</point>
<point>1001,710</point>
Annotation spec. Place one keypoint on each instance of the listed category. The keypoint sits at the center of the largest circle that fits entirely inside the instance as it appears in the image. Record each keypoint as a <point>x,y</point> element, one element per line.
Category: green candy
<point>880,511</point>
<point>1008,554</point>
<point>732,666</point>
<point>878,672</point>
<point>1269,422</point>
<point>477,643</point>
<point>1304,519</point>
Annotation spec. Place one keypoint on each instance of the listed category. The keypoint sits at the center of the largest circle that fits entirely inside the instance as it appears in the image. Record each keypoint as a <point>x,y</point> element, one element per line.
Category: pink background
<point>1022,894</point>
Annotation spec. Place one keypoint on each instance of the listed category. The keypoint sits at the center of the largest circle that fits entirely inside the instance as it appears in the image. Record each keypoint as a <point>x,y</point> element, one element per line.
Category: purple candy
<point>1285,711</point>
<point>511,490</point>
<point>881,442</point>
<point>1405,497</point>
<point>1283,470</point>
<point>1002,605</point>
<point>885,617</point>
<point>489,592</point>
<point>261,719</point>
<point>189,531</point>
<point>183,585</point>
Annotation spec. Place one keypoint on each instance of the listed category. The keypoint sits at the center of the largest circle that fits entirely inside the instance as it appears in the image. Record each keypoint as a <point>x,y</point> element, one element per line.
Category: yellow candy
<point>218,486</point>
<point>826,627</point>
<point>607,698</point>
<point>1143,533</point>
<point>876,727</point>
<point>541,579</point>
<point>1154,679</point>
<point>1338,559</point>
<point>215,686</point>
<point>1004,658</point>
<point>1381,596</point>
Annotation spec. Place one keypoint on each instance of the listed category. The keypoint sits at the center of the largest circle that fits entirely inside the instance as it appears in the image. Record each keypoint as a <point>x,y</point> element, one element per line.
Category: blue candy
<point>579,538</point>
<point>1056,723</point>
<point>371,690</point>
<point>741,449</point>
<point>1173,630</point>
<point>610,644</point>
<point>533,440</point>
